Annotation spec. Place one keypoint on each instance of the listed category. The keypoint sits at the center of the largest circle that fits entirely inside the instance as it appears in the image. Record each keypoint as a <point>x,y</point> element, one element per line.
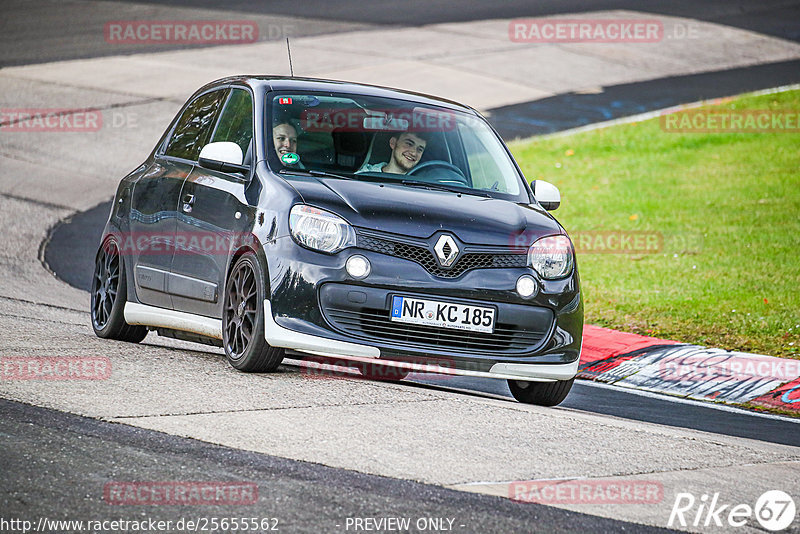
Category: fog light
<point>526,286</point>
<point>358,266</point>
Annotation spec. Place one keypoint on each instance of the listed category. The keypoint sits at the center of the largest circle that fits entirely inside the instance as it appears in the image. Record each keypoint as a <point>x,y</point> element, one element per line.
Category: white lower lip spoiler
<point>278,336</point>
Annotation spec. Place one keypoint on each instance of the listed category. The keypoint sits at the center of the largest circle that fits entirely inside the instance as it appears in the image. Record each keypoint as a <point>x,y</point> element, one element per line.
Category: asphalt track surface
<point>70,247</point>
<point>616,402</point>
<point>572,110</point>
<point>70,254</point>
<point>34,32</point>
<point>55,461</point>
<point>57,464</point>
<point>51,30</point>
<point>762,16</point>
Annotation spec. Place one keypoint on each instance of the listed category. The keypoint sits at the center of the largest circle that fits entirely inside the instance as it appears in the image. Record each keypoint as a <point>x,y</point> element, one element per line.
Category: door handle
<point>188,201</point>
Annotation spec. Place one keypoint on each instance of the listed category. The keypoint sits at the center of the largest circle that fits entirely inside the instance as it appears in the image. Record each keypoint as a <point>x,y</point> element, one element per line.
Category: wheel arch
<point>115,325</point>
<point>255,247</point>
<point>115,235</point>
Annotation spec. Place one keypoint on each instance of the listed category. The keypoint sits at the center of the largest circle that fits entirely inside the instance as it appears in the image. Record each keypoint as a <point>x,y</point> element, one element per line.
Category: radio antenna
<point>289,50</point>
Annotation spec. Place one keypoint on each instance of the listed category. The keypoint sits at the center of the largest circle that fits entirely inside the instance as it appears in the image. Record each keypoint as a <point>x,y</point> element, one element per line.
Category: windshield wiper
<point>313,172</point>
<point>442,187</point>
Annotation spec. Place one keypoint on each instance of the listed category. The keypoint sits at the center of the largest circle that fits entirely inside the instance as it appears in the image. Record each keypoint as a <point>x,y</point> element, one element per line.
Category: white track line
<point>649,394</point>
<point>657,113</point>
<point>682,400</point>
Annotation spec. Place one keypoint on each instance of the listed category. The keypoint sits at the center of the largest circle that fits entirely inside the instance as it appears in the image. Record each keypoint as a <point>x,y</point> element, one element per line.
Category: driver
<point>284,137</point>
<point>407,149</point>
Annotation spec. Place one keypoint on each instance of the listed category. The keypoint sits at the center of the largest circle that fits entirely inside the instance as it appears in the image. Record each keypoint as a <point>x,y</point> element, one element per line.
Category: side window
<point>194,126</point>
<point>236,121</point>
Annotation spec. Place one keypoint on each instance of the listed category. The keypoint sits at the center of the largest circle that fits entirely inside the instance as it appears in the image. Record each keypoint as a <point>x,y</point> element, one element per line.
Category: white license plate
<point>442,314</point>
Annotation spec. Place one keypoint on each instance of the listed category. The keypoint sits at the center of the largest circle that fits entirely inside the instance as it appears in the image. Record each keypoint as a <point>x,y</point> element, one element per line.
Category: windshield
<point>378,139</point>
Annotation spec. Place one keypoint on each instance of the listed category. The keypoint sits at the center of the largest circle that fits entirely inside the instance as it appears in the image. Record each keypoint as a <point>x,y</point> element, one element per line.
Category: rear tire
<point>541,393</point>
<point>109,295</point>
<point>243,319</point>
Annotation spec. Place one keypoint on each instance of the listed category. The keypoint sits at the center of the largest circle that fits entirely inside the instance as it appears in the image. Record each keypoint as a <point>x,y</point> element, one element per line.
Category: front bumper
<point>278,336</point>
<point>314,307</point>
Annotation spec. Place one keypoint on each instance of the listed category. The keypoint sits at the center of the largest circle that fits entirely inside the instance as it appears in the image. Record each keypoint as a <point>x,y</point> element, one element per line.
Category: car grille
<point>423,256</point>
<point>376,325</point>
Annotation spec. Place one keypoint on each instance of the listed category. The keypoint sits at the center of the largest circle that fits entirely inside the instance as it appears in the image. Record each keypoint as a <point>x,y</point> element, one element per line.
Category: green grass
<point>728,206</point>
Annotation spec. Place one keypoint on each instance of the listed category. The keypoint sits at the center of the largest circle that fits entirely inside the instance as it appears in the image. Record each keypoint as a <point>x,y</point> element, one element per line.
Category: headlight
<point>551,257</point>
<point>320,230</point>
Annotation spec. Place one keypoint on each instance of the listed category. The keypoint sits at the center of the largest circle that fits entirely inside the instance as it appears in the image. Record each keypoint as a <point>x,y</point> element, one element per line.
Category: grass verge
<point>721,212</point>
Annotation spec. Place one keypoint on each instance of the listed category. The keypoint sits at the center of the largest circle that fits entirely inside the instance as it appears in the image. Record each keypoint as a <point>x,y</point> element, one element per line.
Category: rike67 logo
<point>774,510</point>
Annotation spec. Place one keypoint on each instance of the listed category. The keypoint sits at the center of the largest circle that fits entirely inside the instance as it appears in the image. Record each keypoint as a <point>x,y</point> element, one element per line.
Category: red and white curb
<point>689,371</point>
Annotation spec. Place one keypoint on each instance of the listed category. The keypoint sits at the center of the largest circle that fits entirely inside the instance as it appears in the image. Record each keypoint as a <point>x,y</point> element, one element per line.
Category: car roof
<point>296,83</point>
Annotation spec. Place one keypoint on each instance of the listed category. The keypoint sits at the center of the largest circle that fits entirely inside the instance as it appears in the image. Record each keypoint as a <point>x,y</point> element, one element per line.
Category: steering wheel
<point>455,175</point>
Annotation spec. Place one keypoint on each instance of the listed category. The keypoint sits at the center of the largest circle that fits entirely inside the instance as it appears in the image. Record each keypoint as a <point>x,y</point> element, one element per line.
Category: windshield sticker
<point>290,158</point>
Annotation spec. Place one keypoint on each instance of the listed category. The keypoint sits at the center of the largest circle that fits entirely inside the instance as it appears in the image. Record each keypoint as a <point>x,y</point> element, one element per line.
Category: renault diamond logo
<point>446,250</point>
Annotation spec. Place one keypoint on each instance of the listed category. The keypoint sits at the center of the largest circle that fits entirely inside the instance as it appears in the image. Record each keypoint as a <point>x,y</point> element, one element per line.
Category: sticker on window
<point>290,158</point>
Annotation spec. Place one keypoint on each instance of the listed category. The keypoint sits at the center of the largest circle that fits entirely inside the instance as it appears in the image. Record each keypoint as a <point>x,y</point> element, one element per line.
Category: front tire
<point>243,319</point>
<point>109,295</point>
<point>541,393</point>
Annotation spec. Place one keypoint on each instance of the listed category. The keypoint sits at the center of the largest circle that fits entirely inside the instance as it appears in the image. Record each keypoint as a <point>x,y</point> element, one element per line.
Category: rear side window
<point>236,121</point>
<point>194,126</point>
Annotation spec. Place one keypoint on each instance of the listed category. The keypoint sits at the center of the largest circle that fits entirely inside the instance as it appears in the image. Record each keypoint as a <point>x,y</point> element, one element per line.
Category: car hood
<point>419,212</point>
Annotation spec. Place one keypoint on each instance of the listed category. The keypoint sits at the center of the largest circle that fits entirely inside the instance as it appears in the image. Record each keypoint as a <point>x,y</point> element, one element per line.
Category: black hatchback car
<point>323,219</point>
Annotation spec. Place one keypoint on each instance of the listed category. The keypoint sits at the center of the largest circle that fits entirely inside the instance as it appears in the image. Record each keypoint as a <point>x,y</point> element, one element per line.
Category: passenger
<point>407,149</point>
<point>284,137</point>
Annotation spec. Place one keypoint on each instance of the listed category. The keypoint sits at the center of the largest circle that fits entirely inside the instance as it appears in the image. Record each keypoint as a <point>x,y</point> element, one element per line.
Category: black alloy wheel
<point>243,319</point>
<point>109,295</point>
